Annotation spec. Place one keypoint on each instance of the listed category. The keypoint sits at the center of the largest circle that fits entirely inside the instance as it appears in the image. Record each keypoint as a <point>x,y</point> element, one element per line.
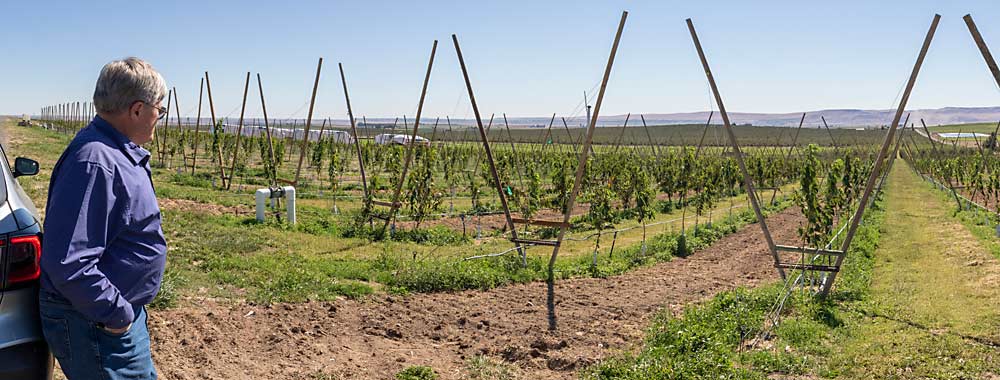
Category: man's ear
<point>135,110</point>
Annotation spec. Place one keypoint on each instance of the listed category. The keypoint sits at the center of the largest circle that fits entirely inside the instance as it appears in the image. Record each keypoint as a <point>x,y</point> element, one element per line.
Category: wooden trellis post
<point>218,150</point>
<point>305,138</point>
<point>177,111</point>
<point>239,133</point>
<point>395,204</point>
<point>273,170</point>
<point>833,141</point>
<point>856,220</point>
<point>747,181</point>
<point>197,129</point>
<point>577,184</point>
<point>791,148</point>
<point>357,138</point>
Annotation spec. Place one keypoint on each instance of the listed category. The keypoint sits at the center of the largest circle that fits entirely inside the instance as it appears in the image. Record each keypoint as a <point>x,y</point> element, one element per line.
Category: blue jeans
<point>86,352</point>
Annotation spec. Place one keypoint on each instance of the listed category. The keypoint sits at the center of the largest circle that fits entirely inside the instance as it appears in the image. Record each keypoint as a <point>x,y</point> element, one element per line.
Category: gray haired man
<point>103,250</point>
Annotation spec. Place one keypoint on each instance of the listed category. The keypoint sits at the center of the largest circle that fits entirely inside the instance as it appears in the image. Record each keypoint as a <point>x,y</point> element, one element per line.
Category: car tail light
<point>23,253</point>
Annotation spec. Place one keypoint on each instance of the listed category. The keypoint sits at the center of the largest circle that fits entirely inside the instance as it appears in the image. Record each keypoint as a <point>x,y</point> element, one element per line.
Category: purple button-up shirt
<point>102,248</point>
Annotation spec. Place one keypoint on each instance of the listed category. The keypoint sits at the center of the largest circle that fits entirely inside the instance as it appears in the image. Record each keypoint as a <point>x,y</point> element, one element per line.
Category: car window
<point>6,173</point>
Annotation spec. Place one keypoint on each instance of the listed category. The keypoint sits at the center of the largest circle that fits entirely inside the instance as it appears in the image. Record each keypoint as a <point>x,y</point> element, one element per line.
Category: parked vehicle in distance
<point>388,138</point>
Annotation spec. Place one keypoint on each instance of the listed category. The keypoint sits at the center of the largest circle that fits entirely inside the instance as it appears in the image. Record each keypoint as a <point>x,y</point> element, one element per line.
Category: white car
<point>387,138</point>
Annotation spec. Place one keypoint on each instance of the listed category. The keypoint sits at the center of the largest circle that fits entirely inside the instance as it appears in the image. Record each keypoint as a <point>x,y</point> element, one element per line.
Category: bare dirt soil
<point>207,208</point>
<point>377,337</point>
<point>489,224</point>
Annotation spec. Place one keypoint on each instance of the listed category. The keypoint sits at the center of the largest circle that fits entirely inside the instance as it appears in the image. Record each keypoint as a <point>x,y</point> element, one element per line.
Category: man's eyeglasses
<point>162,110</point>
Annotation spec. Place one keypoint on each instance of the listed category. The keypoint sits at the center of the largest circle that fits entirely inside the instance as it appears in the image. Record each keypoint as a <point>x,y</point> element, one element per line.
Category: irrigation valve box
<point>286,192</point>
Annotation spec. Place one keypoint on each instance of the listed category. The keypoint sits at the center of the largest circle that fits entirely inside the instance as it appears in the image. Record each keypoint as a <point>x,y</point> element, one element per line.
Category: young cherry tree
<point>601,214</point>
<point>421,190</point>
<point>644,210</point>
<point>333,171</point>
<point>818,217</point>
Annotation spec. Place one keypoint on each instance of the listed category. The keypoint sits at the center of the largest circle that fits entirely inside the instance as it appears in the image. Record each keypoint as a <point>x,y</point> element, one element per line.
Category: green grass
<point>417,373</point>
<point>986,128</point>
<point>482,367</point>
<point>708,340</point>
<point>922,304</point>
<point>231,257</point>
<point>220,254</point>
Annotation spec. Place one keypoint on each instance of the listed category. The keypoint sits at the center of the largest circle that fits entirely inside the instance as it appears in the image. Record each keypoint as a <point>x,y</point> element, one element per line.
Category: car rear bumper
<point>19,320</point>
<point>28,361</point>
<point>23,352</point>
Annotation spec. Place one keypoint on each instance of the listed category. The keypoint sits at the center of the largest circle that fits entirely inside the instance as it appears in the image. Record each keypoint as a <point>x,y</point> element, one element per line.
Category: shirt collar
<point>137,154</point>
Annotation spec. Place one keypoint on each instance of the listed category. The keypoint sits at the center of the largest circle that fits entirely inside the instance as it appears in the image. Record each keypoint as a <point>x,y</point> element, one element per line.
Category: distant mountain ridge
<point>836,118</point>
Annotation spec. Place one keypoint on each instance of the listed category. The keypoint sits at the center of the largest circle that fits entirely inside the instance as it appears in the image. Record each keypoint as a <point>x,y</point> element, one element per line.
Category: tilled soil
<point>207,208</point>
<point>376,338</point>
<point>488,224</point>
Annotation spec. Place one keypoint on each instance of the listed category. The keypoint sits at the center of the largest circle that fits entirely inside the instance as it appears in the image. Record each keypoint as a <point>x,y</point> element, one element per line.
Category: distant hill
<point>834,117</point>
<point>837,118</point>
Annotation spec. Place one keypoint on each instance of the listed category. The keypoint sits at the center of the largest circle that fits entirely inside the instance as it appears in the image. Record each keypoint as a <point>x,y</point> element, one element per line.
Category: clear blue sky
<point>526,58</point>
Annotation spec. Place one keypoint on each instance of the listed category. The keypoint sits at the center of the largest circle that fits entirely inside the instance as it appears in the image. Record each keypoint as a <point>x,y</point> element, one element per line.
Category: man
<point>103,251</point>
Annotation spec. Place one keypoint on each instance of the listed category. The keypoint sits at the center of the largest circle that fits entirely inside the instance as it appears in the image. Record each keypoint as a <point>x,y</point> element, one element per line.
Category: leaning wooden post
<point>704,132</point>
<point>548,133</point>
<point>656,147</point>
<point>928,132</point>
<point>272,169</point>
<point>983,49</point>
<point>412,142</point>
<point>856,220</point>
<point>569,135</point>
<point>747,181</point>
<point>621,135</point>
<point>197,129</point>
<point>177,111</point>
<point>239,132</point>
<point>305,138</point>
<point>580,170</point>
<point>161,143</point>
<point>218,147</point>
<point>484,136</point>
<point>833,141</point>
<point>354,130</point>
<point>791,148</point>
<point>892,156</point>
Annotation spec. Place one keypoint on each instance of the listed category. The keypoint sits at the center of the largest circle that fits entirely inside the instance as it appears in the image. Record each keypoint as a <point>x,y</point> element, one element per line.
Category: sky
<point>525,58</point>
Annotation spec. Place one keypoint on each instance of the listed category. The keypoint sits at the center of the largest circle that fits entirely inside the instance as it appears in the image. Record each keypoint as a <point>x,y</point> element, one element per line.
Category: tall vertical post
<point>863,203</point>
<point>305,139</point>
<point>747,181</point>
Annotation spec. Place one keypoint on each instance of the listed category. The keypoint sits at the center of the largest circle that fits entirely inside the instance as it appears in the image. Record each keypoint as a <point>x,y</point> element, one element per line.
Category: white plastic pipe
<point>262,195</point>
<point>290,203</point>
